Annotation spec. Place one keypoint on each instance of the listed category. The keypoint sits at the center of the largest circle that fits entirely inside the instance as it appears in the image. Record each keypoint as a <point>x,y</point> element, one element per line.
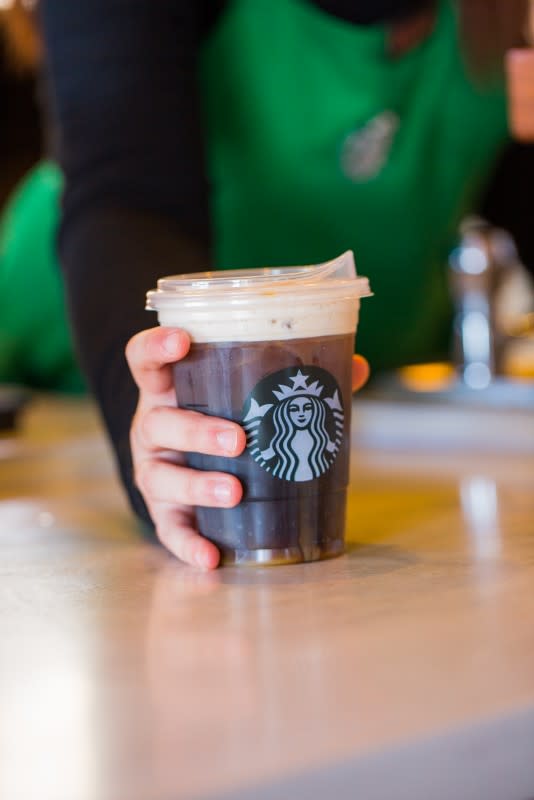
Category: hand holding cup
<point>162,433</point>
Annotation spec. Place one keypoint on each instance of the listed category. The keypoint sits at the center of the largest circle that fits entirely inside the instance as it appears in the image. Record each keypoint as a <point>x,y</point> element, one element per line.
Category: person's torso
<point>318,141</point>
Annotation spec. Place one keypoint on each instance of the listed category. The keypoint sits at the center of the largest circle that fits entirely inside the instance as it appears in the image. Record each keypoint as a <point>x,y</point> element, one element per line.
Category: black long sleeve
<point>123,89</point>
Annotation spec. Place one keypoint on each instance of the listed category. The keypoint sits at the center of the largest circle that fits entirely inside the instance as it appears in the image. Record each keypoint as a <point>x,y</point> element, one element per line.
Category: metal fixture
<point>477,267</point>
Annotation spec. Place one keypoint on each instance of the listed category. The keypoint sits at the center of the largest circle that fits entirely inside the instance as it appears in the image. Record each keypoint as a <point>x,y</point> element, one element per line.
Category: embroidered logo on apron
<point>294,421</point>
<point>366,150</point>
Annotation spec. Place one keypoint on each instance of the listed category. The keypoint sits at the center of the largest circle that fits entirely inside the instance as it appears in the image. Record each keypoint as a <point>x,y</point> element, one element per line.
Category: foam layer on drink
<point>263,304</point>
<point>271,318</point>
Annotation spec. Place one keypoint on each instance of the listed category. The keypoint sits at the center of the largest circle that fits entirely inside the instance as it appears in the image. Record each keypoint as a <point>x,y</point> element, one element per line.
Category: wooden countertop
<point>124,674</point>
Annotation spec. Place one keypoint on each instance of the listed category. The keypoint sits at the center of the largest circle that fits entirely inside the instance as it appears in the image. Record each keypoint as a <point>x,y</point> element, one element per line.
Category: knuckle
<point>145,477</point>
<point>135,429</point>
<point>144,429</point>
<point>133,349</point>
<point>149,424</point>
<point>191,430</point>
<point>128,352</point>
<point>163,533</point>
<point>191,492</point>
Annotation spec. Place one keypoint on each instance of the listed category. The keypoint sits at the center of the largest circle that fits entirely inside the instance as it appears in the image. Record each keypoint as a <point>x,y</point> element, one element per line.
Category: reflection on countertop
<point>427,406</point>
<point>155,681</point>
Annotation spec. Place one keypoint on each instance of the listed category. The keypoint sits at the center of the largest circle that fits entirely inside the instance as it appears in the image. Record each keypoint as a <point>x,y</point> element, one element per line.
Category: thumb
<point>360,372</point>
<point>150,354</point>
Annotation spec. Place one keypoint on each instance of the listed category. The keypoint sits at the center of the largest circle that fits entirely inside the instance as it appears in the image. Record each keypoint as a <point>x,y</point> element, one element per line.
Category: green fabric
<point>287,89</point>
<point>284,85</point>
<point>35,342</point>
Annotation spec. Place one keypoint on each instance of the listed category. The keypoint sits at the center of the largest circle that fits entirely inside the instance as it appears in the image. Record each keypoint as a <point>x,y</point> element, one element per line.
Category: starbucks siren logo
<point>294,422</point>
<point>366,150</point>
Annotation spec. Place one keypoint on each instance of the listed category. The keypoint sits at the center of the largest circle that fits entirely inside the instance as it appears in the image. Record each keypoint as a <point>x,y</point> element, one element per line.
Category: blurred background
<point>492,355</point>
<point>20,131</point>
<point>105,641</point>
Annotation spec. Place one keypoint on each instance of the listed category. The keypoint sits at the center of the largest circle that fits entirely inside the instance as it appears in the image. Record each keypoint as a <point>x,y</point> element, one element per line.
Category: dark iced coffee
<point>293,399</point>
<point>286,378</point>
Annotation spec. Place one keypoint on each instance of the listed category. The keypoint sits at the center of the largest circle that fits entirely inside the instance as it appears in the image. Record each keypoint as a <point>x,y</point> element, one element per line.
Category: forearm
<point>106,306</point>
<point>122,80</point>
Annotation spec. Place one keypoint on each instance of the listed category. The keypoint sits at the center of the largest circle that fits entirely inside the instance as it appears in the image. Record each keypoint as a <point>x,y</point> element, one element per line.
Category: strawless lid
<point>335,279</point>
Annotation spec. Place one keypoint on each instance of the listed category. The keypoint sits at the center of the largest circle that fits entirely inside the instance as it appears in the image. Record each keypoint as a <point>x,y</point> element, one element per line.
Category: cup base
<point>267,557</point>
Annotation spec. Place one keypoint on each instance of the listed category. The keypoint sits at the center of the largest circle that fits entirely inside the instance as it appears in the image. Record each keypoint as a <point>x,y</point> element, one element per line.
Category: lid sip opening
<point>332,277</point>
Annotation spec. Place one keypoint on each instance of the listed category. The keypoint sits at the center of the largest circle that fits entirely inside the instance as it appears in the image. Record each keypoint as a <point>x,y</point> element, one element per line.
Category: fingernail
<point>227,440</point>
<point>171,343</point>
<point>222,491</point>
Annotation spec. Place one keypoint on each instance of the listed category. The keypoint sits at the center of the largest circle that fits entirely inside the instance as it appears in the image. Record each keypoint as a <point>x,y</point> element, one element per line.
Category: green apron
<point>35,341</point>
<point>319,142</point>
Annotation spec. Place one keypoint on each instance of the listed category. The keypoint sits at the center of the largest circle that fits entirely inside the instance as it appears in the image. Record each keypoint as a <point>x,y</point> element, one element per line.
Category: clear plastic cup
<point>272,350</point>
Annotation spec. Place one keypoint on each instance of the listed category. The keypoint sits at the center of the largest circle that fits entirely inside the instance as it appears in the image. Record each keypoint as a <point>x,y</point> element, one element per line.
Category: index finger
<point>150,354</point>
